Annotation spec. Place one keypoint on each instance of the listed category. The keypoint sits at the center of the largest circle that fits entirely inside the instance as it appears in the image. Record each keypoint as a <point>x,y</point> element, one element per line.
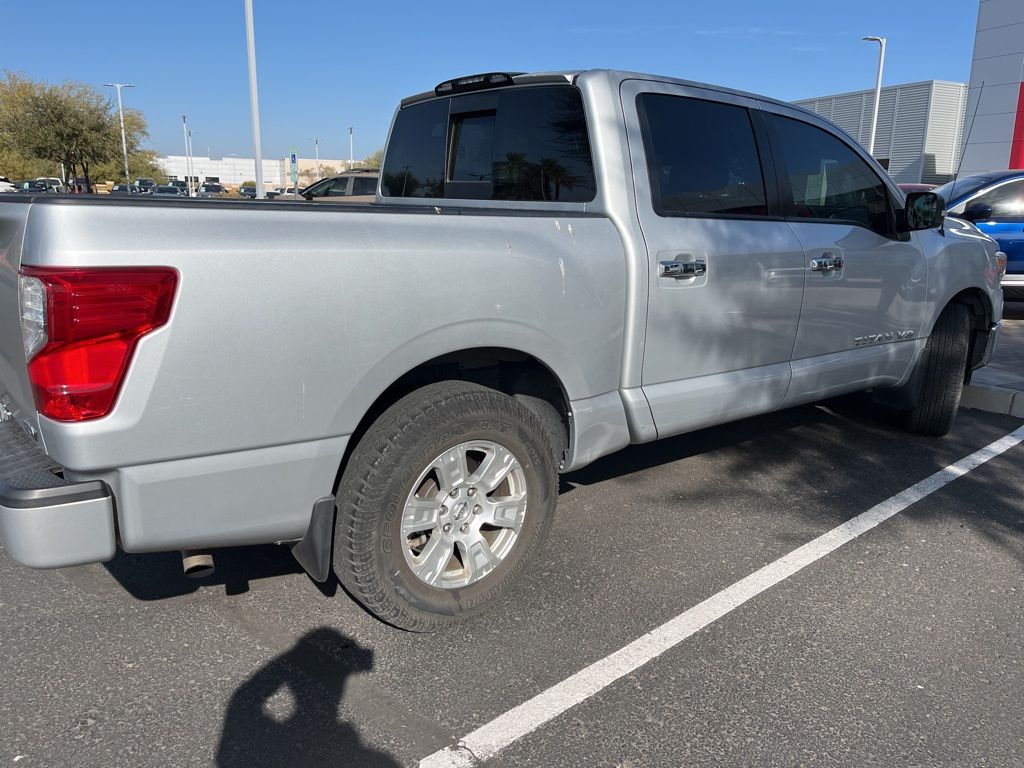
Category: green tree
<point>374,160</point>
<point>43,126</point>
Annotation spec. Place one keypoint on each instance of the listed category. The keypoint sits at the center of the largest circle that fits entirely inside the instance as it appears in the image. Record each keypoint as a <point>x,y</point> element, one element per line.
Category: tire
<point>940,374</point>
<point>429,460</point>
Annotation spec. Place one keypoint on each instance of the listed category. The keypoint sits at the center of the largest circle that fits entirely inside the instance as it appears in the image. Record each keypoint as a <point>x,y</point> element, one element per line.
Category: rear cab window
<point>517,144</point>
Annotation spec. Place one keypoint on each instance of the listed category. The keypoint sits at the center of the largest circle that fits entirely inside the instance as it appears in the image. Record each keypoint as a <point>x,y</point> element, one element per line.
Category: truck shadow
<point>158,576</point>
<point>823,455</point>
<point>286,713</point>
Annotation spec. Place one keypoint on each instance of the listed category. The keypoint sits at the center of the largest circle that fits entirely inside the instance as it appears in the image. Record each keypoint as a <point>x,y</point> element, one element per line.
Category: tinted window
<point>364,185</point>
<point>335,188</point>
<point>702,157</point>
<point>414,166</point>
<point>955,190</point>
<point>532,146</point>
<point>827,179</point>
<point>1006,201</point>
<point>320,188</point>
<point>472,147</point>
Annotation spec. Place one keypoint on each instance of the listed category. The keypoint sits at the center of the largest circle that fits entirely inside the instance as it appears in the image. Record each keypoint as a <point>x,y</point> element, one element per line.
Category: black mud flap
<point>313,551</point>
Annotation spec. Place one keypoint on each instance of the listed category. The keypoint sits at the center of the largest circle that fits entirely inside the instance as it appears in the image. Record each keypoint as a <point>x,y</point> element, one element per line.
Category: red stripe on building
<point>1017,147</point>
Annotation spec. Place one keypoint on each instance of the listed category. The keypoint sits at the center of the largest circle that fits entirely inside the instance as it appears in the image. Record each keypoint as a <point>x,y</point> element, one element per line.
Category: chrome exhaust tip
<point>197,563</point>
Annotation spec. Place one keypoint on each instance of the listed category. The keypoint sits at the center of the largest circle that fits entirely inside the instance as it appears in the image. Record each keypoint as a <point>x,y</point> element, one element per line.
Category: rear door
<point>724,269</point>
<point>866,286</point>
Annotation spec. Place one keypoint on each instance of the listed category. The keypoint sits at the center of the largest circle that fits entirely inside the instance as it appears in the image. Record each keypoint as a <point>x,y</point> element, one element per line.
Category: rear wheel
<point>443,503</point>
<point>938,378</point>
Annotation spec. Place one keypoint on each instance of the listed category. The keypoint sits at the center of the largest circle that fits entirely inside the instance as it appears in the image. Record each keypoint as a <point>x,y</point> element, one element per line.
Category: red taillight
<point>93,320</point>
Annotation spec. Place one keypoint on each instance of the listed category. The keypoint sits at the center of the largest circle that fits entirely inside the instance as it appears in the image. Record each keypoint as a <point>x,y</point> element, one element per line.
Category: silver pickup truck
<point>557,265</point>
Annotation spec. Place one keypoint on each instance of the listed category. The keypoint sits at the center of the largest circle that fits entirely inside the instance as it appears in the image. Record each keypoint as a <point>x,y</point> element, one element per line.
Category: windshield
<point>954,190</point>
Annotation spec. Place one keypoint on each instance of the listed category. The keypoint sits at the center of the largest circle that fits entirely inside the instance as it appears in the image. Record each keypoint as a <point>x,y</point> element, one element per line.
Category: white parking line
<point>490,738</point>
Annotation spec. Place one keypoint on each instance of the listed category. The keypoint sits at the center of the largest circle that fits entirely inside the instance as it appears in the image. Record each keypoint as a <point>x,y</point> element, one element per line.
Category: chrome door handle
<point>681,269</point>
<point>826,263</point>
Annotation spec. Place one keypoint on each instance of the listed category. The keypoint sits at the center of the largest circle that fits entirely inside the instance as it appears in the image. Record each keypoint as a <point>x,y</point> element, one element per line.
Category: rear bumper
<point>45,520</point>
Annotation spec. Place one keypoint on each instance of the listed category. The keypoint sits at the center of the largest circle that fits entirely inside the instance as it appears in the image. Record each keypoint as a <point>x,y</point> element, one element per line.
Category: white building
<point>233,170</point>
<point>995,112</point>
<point>920,125</point>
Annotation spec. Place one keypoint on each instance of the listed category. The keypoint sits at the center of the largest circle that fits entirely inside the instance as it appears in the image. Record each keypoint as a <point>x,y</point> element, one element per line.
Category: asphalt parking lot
<point>902,647</point>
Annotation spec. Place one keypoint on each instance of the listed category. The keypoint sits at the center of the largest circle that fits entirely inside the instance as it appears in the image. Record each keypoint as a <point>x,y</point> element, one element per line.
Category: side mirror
<point>924,210</point>
<point>977,212</point>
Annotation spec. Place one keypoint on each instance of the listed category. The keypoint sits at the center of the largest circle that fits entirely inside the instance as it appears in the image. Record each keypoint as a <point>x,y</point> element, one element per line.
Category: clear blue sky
<point>326,65</point>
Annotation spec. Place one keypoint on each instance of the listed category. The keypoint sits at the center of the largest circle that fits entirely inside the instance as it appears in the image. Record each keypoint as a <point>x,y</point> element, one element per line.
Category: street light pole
<point>120,114</point>
<point>350,160</point>
<point>254,97</point>
<point>878,90</point>
<point>188,164</point>
<point>192,159</point>
<point>316,151</point>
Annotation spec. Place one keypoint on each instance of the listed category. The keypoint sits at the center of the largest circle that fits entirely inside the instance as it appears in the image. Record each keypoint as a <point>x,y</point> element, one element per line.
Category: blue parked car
<point>994,203</point>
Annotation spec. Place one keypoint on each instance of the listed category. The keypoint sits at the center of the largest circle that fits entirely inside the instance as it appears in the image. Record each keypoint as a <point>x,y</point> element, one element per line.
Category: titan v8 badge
<point>881,338</point>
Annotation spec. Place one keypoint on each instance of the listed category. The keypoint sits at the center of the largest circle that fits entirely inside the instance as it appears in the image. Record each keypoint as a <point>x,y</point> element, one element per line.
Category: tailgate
<point>15,391</point>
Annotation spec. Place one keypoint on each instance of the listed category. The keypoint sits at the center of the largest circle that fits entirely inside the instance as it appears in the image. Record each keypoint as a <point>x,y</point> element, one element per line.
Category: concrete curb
<point>994,400</point>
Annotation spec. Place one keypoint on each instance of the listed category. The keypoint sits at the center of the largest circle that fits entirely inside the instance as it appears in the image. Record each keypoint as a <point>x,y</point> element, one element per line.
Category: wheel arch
<point>981,314</point>
<point>518,370</point>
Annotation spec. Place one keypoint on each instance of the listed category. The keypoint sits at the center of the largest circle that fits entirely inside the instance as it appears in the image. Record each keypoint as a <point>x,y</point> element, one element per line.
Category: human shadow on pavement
<point>264,727</point>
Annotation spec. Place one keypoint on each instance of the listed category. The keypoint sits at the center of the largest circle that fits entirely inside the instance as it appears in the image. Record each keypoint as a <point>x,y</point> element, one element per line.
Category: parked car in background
<point>146,186</point>
<point>352,187</point>
<point>917,187</point>
<point>55,184</point>
<point>81,185</point>
<point>167,190</point>
<point>125,189</point>
<point>994,203</point>
<point>249,192</point>
<point>180,184</point>
<point>6,185</point>
<point>35,187</point>
<point>211,190</point>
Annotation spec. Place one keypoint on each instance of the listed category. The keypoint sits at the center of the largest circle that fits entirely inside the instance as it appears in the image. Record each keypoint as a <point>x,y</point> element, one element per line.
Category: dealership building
<point>995,107</point>
<point>920,126</point>
<point>234,170</point>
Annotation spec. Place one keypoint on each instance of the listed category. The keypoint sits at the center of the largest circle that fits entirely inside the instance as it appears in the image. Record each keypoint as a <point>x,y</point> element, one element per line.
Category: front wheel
<point>443,503</point>
<point>938,378</point>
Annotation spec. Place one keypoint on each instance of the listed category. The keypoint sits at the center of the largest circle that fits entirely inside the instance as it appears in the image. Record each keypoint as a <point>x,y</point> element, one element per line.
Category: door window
<point>1007,201</point>
<point>827,180</point>
<point>702,157</point>
<point>338,188</point>
<point>364,185</point>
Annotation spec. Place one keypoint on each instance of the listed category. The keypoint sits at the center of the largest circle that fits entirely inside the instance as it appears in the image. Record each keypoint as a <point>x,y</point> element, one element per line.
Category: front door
<point>866,286</point>
<point>725,274</point>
